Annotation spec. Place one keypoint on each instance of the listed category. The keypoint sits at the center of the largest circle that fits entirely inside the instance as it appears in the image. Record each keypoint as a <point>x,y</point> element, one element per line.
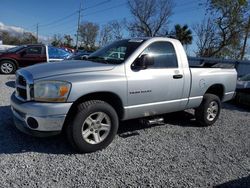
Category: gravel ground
<point>176,154</point>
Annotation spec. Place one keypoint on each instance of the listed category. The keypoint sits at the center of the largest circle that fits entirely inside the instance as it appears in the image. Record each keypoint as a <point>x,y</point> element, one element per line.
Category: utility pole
<point>37,26</point>
<point>245,39</point>
<point>78,25</point>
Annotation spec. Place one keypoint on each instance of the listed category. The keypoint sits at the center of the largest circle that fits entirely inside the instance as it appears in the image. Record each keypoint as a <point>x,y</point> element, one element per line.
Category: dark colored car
<point>243,90</point>
<point>21,56</point>
<point>26,55</point>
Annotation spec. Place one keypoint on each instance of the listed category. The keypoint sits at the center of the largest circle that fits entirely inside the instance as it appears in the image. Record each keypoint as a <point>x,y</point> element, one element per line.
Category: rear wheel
<point>209,110</point>
<point>7,67</point>
<point>94,126</point>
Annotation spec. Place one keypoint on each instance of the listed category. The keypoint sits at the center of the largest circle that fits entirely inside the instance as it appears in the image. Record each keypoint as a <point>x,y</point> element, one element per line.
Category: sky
<point>60,16</point>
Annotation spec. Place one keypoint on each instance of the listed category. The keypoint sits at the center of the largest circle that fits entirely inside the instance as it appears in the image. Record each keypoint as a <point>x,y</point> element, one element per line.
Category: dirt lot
<point>176,154</point>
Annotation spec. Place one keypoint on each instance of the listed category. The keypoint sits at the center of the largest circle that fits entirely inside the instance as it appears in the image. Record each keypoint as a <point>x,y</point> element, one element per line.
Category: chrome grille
<point>24,84</point>
<point>22,93</point>
<point>21,81</point>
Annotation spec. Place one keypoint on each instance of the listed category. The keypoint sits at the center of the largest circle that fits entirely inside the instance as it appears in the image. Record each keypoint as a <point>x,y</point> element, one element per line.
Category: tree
<point>117,29</point>
<point>105,35</point>
<point>28,38</point>
<point>183,34</point>
<point>67,40</point>
<point>57,40</point>
<point>88,32</point>
<point>151,17</point>
<point>18,39</point>
<point>206,38</point>
<point>110,32</point>
<point>9,39</point>
<point>247,31</point>
<point>229,18</point>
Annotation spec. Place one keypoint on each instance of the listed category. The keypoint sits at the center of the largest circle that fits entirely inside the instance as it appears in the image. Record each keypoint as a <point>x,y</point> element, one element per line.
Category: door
<point>32,55</point>
<point>57,54</point>
<point>159,88</point>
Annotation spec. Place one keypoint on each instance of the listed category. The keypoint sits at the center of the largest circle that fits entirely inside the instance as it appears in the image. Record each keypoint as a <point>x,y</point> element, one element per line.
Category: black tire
<point>11,65</point>
<point>75,128</point>
<point>201,113</point>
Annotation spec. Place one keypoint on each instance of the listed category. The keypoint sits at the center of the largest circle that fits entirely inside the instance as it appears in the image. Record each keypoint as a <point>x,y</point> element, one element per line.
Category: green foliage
<point>59,40</point>
<point>88,32</point>
<point>183,34</point>
<point>67,40</point>
<point>230,17</point>
<point>20,39</point>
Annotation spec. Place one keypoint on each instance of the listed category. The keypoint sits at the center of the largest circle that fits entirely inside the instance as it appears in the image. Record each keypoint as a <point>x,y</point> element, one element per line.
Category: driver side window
<point>163,53</point>
<point>34,50</point>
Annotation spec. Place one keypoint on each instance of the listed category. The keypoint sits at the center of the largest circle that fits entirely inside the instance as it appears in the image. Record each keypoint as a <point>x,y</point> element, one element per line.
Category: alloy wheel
<point>96,127</point>
<point>7,68</point>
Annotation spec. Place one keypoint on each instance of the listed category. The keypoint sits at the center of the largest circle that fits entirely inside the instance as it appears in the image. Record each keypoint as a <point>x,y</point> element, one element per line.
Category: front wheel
<point>209,110</point>
<point>94,126</point>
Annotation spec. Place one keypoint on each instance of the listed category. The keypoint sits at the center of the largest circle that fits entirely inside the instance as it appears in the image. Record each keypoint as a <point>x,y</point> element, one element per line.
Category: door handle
<point>178,76</point>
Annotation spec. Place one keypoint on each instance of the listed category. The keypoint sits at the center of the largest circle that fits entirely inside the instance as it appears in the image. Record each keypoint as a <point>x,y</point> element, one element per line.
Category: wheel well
<point>12,60</point>
<point>108,97</point>
<point>217,90</point>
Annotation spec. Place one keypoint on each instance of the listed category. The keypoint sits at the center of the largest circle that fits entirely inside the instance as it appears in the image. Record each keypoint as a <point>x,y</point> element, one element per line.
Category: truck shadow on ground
<point>183,119</point>
<point>10,84</point>
<point>13,141</point>
<point>241,183</point>
<point>232,105</point>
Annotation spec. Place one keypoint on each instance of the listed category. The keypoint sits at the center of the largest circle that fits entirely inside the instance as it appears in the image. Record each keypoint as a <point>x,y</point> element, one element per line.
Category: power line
<point>60,23</point>
<point>103,10</point>
<point>96,5</point>
<point>74,13</point>
<point>122,4</point>
<point>188,3</point>
<point>59,20</point>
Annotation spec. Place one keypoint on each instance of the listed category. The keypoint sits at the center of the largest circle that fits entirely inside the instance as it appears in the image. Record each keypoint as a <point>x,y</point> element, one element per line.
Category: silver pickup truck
<point>87,99</point>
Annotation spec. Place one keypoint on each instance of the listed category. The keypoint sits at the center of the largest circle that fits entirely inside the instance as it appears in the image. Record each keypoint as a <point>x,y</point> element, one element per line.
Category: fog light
<point>32,123</point>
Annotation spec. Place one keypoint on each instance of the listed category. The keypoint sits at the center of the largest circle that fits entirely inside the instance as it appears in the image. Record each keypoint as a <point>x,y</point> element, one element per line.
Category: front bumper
<point>49,117</point>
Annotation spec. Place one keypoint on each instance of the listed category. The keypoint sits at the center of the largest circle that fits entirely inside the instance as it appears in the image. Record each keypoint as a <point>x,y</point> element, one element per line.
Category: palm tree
<point>183,34</point>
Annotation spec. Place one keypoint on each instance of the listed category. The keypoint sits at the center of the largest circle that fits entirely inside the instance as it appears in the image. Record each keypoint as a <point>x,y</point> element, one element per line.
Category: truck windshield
<point>116,52</point>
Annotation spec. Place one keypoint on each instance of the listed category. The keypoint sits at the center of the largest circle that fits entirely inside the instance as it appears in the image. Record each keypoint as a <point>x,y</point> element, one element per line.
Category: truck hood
<point>66,67</point>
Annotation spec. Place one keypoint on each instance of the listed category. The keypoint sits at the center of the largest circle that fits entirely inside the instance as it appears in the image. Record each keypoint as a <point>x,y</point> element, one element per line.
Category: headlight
<point>51,91</point>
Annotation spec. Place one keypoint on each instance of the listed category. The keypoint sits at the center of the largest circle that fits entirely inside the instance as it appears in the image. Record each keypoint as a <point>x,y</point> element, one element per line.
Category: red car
<point>21,56</point>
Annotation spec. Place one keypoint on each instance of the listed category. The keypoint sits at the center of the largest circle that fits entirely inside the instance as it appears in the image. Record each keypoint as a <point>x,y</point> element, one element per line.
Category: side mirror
<point>146,60</point>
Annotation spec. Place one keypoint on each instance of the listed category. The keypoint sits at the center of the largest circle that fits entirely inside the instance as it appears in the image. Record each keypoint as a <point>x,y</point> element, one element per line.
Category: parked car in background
<point>26,55</point>
<point>57,54</point>
<point>243,90</point>
<point>79,55</point>
<point>68,49</point>
<point>117,55</point>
